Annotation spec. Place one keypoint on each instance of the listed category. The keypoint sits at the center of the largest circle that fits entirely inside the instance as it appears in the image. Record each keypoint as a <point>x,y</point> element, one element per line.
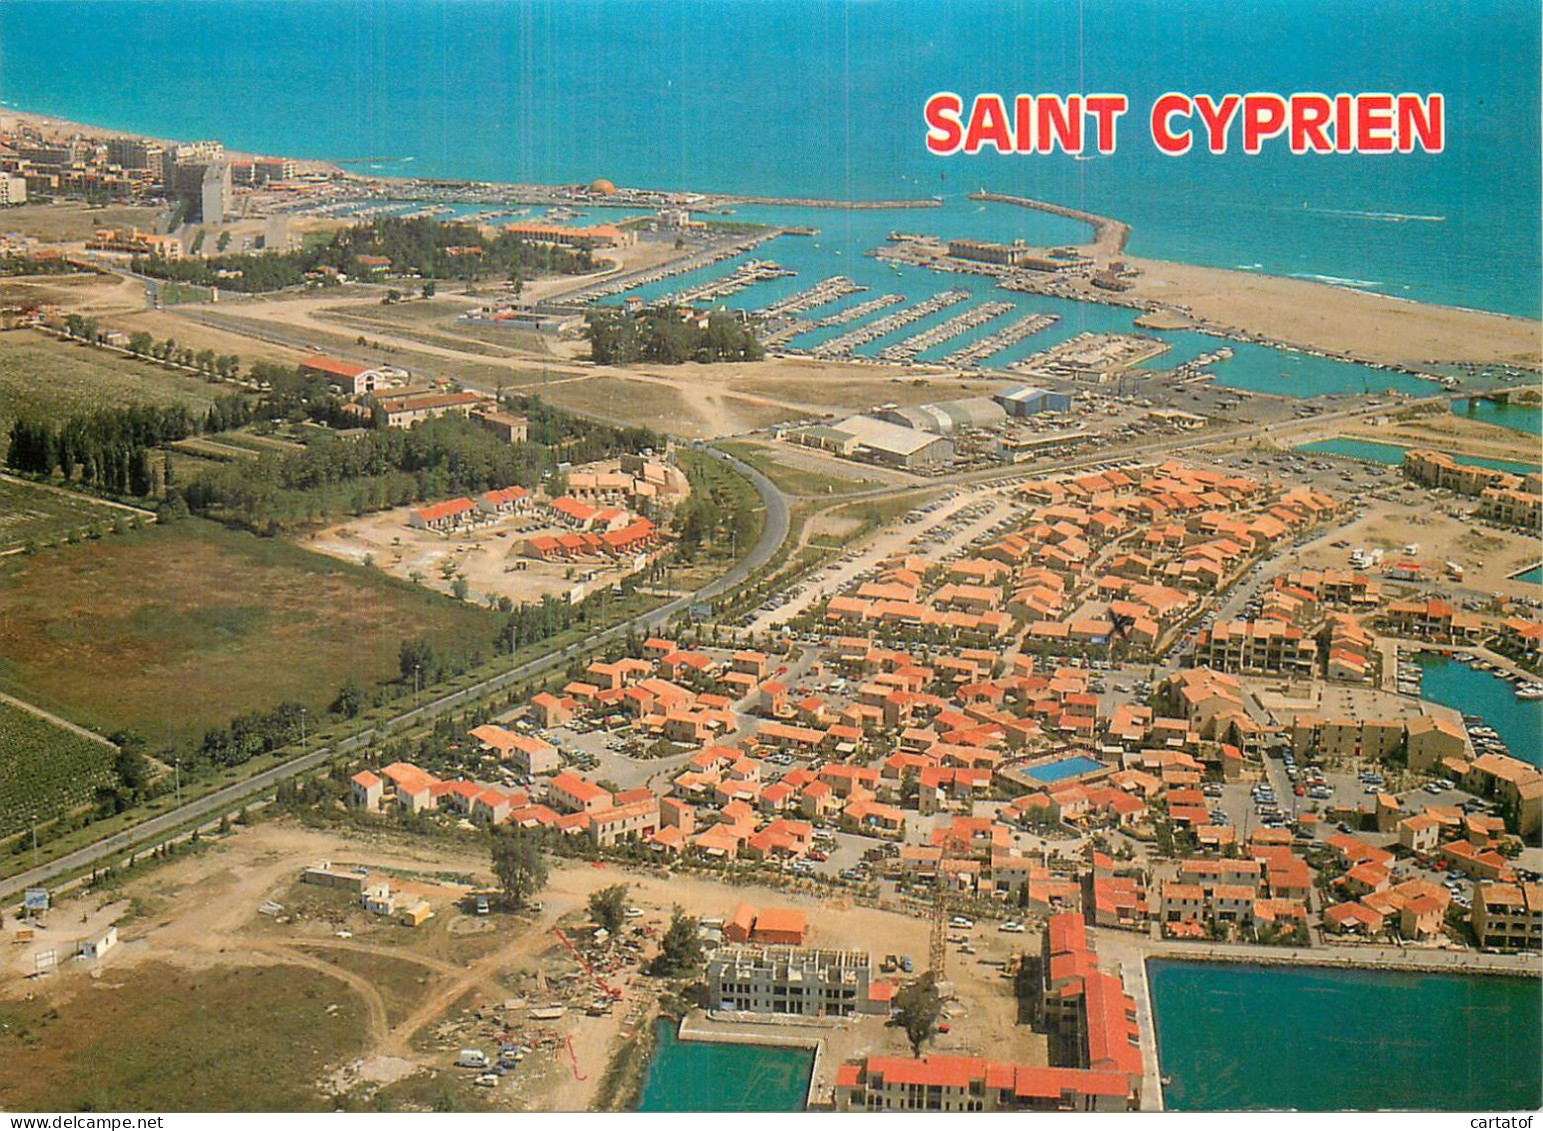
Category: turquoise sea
<point>1250,1038</point>
<point>1373,451</point>
<point>823,97</point>
<point>695,1076</point>
<point>1519,722</point>
<point>1517,417</point>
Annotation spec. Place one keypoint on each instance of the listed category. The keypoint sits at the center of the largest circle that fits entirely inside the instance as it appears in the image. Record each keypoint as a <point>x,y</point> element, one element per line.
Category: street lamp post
<point>417,671</point>
<point>302,730</point>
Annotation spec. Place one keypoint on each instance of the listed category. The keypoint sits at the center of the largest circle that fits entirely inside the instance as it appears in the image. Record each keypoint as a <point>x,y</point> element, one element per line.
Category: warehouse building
<point>880,441</point>
<point>1026,400</point>
<point>946,417</point>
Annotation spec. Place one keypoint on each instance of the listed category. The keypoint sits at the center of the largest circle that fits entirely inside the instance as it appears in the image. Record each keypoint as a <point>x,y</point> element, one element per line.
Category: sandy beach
<point>1311,315</point>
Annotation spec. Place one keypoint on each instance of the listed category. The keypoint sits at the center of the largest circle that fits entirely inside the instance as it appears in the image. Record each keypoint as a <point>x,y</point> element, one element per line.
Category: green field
<point>50,379</point>
<point>31,513</point>
<point>174,293</point>
<point>161,1038</point>
<point>177,629</point>
<point>45,769</point>
<point>795,480</point>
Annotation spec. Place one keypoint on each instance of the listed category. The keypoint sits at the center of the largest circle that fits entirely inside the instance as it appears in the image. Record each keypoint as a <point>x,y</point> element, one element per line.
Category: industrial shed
<point>887,443</point>
<point>1026,400</point>
<point>946,417</point>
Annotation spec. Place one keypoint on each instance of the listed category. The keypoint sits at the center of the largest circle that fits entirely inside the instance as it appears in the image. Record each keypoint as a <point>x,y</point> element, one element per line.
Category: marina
<point>789,330</point>
<point>618,284</point>
<point>999,340</point>
<point>844,344</point>
<point>825,291</point>
<point>741,278</point>
<point>907,350</point>
<point>1503,712</point>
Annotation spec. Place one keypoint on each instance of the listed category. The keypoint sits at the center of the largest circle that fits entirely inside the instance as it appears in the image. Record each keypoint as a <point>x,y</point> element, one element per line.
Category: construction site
<point>391,979</point>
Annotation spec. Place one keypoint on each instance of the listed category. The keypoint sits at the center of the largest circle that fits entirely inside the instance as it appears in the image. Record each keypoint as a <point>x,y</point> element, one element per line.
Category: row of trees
<point>721,515</point>
<point>108,449</point>
<point>445,456</point>
<point>423,246</point>
<point>669,335</point>
<point>222,366</point>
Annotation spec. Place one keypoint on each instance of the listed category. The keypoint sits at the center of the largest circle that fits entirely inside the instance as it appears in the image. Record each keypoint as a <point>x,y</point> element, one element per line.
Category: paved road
<point>232,796</point>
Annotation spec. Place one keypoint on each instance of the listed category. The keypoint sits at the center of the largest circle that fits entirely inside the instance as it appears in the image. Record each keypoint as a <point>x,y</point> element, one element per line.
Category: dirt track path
<point>373,1002</point>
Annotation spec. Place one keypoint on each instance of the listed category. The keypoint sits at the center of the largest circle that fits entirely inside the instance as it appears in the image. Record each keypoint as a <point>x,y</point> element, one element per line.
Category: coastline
<point>1284,312</point>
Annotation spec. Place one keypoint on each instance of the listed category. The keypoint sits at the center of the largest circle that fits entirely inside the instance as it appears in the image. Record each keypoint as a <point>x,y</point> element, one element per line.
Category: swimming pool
<point>1065,768</point>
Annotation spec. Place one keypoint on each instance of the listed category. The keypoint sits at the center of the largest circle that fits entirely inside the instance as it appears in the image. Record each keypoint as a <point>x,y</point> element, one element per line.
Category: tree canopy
<point>680,950</point>
<point>420,246</point>
<point>917,1009</point>
<point>669,335</point>
<point>608,907</point>
<point>519,866</point>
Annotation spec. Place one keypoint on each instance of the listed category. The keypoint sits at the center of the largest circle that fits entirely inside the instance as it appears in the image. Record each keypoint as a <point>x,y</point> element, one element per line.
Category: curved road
<point>232,796</point>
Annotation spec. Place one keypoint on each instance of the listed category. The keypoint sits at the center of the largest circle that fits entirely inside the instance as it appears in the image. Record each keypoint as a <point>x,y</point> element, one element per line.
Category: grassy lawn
<point>160,1038</point>
<point>51,379</point>
<point>794,480</point>
<point>184,627</point>
<point>174,293</point>
<point>32,513</point>
<point>45,769</point>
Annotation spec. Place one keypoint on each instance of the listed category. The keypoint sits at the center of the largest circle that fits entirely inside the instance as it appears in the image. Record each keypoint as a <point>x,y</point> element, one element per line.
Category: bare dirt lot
<point>354,1011</point>
<point>64,220</point>
<point>1489,555</point>
<point>489,556</point>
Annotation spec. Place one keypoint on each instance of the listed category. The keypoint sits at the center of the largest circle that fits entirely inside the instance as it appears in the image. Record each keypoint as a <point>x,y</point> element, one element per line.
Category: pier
<point>977,315</point>
<point>743,276</point>
<point>704,258</point>
<point>861,310</point>
<point>797,326</point>
<point>1002,339</point>
<point>826,290</point>
<point>844,344</point>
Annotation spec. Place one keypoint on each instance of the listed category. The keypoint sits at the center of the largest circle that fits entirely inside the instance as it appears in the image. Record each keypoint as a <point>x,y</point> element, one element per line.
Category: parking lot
<point>945,526</point>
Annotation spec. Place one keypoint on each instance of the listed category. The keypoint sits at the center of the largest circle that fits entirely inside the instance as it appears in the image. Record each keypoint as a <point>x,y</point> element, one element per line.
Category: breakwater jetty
<point>819,202</point>
<point>1109,235</point>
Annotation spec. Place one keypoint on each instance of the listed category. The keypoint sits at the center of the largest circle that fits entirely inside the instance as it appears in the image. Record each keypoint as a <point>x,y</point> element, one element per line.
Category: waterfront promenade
<point>1125,946</point>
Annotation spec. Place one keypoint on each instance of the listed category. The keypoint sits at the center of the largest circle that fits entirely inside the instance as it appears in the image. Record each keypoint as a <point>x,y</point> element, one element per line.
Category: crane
<point>605,988</point>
